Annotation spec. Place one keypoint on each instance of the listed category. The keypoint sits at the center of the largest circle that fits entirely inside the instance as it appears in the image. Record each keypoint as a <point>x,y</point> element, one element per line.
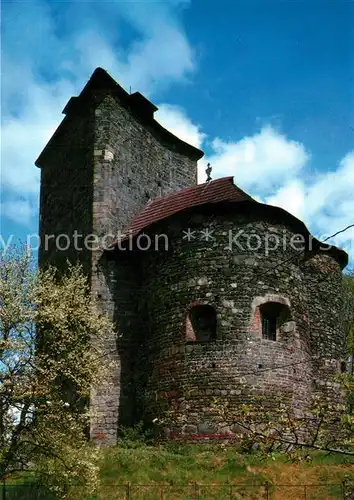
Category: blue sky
<point>265,88</point>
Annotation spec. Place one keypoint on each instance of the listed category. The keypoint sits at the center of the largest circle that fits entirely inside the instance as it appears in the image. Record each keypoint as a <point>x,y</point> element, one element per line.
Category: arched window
<point>201,323</point>
<point>273,316</point>
<point>343,366</point>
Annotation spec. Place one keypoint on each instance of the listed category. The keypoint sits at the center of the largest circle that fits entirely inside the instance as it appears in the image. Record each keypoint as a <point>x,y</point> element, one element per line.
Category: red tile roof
<point>211,192</point>
<point>220,190</point>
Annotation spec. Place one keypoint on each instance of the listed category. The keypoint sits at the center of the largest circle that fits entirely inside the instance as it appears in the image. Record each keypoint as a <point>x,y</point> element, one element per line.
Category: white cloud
<point>22,139</point>
<point>326,203</point>
<point>260,162</point>
<point>329,203</point>
<point>176,121</point>
<point>20,211</point>
<point>291,197</point>
<point>41,71</point>
<point>333,187</point>
<point>274,169</point>
<point>269,165</point>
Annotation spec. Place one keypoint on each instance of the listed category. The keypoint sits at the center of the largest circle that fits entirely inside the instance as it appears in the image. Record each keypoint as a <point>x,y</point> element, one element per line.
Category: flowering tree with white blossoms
<point>51,338</point>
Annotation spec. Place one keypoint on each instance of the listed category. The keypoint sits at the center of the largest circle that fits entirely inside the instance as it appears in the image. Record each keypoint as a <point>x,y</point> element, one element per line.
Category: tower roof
<point>160,208</point>
<point>219,192</point>
<point>102,84</point>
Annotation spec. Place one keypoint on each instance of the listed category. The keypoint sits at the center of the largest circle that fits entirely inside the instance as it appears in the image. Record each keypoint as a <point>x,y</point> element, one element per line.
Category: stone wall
<point>326,323</point>
<point>66,193</point>
<point>132,166</point>
<point>177,380</point>
<point>100,168</point>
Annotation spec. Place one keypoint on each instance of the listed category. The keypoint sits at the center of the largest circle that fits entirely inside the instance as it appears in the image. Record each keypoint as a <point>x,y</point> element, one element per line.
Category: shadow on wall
<point>122,279</point>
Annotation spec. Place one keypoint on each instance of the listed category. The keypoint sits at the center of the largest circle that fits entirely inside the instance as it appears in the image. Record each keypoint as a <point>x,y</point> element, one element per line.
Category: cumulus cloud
<point>276,170</point>
<point>175,119</point>
<point>160,55</point>
<point>329,203</point>
<point>260,162</point>
<point>326,203</point>
<point>333,188</point>
<point>291,197</point>
<point>41,70</point>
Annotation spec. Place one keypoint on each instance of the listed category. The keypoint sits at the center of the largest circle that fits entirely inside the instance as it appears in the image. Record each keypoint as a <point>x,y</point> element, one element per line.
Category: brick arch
<point>256,315</point>
<point>189,331</point>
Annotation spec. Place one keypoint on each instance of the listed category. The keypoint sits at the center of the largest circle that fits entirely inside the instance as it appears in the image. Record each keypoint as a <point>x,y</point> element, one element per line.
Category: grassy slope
<point>220,466</point>
<point>186,470</point>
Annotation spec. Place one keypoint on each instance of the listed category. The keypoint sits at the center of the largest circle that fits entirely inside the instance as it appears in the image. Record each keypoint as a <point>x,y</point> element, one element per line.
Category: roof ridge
<point>215,191</point>
<point>94,91</point>
<point>190,188</point>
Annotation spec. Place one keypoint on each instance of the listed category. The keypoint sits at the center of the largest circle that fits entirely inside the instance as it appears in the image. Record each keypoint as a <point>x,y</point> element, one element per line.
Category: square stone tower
<point>105,161</point>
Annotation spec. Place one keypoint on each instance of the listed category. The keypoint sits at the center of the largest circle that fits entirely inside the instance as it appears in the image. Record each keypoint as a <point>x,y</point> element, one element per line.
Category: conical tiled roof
<point>158,209</point>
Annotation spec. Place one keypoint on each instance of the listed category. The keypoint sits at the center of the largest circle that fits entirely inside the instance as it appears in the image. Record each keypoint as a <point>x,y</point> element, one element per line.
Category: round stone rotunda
<point>231,300</point>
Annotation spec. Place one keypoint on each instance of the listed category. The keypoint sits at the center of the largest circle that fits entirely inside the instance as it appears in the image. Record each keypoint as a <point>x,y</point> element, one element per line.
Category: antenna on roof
<point>130,89</point>
<point>208,172</point>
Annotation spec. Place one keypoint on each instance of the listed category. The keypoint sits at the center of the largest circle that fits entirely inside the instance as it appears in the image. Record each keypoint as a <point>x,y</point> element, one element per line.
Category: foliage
<point>327,426</point>
<point>51,338</point>
<point>135,437</point>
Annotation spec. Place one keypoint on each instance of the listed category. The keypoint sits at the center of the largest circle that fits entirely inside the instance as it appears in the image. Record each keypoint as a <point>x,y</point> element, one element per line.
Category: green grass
<point>183,468</point>
<point>183,472</point>
<point>25,487</point>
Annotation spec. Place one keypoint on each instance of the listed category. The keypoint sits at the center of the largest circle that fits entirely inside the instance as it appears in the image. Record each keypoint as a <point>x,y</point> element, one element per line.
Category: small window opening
<point>343,367</point>
<point>203,321</point>
<point>273,316</point>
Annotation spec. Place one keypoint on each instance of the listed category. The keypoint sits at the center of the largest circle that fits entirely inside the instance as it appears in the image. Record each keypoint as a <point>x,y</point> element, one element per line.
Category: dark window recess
<point>343,367</point>
<point>269,327</point>
<point>273,316</point>
<point>203,320</point>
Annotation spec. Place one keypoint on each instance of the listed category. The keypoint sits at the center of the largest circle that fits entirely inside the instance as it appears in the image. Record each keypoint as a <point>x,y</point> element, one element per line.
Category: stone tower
<point>204,315</point>
<point>105,161</point>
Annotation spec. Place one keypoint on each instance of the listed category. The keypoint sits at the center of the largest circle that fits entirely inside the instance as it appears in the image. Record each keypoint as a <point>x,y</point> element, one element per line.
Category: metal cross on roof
<point>208,172</point>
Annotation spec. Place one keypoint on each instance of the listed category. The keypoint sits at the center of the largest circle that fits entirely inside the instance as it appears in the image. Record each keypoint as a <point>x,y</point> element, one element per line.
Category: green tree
<point>51,354</point>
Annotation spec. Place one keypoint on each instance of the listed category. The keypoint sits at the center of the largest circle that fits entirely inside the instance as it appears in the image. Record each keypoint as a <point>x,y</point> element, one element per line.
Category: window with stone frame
<point>273,316</point>
<point>201,323</point>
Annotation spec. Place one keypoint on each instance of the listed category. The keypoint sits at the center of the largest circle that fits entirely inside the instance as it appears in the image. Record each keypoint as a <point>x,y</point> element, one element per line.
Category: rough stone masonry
<point>207,306</point>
